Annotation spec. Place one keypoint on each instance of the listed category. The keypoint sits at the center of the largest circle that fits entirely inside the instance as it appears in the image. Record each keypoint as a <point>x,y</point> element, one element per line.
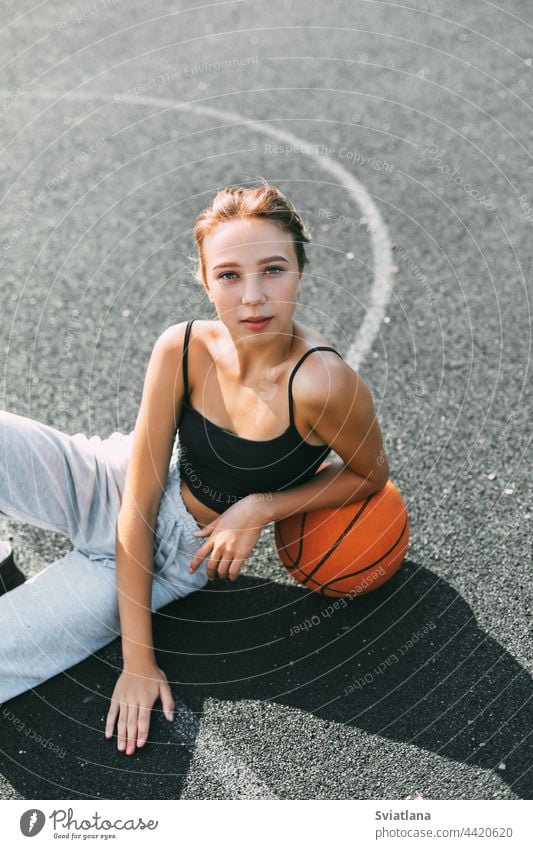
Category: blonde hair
<point>264,201</point>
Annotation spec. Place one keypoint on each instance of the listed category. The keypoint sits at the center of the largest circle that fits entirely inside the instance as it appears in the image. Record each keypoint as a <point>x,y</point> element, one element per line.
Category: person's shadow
<point>406,662</point>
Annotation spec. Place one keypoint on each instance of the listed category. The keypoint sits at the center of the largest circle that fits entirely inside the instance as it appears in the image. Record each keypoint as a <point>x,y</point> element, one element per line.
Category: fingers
<point>143,725</point>
<point>134,720</point>
<point>111,718</point>
<point>122,736</point>
<point>131,727</point>
<point>235,565</point>
<point>198,557</point>
<point>131,707</point>
<point>212,568</point>
<point>167,701</point>
<point>225,567</point>
<point>232,571</point>
<point>229,567</point>
<point>212,563</point>
<point>220,566</point>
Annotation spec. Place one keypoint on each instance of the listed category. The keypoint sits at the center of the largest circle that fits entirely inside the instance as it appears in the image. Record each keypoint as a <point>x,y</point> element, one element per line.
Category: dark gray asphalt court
<point>403,133</point>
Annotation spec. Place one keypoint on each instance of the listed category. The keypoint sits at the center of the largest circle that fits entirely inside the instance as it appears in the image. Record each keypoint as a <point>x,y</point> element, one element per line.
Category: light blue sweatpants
<point>73,485</point>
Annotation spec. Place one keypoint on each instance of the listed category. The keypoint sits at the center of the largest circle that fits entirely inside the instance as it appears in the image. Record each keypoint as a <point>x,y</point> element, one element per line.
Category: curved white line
<point>223,763</point>
<point>213,753</point>
<point>382,260</point>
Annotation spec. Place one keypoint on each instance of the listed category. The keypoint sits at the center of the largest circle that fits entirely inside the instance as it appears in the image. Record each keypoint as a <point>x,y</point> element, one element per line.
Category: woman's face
<point>251,269</point>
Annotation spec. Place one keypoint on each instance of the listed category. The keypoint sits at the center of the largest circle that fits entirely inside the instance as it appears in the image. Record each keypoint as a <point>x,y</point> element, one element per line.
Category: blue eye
<point>270,268</point>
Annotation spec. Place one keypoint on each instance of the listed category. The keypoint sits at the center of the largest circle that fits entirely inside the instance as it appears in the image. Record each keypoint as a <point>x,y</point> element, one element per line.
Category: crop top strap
<point>185,358</point>
<point>298,364</point>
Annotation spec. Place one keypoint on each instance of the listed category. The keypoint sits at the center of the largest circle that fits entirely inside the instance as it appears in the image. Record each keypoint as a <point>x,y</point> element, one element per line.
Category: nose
<point>253,289</point>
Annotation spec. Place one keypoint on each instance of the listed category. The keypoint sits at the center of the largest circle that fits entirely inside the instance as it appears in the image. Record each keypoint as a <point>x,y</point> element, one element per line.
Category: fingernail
<point>141,742</point>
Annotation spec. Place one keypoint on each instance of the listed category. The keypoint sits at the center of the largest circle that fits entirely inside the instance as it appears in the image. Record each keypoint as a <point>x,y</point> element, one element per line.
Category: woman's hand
<point>133,697</point>
<point>233,535</point>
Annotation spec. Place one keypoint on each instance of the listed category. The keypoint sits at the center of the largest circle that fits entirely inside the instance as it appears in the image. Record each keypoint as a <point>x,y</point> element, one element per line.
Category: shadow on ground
<point>406,662</point>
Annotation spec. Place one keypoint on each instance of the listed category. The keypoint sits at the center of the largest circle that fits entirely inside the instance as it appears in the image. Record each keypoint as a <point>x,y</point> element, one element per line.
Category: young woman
<point>236,418</point>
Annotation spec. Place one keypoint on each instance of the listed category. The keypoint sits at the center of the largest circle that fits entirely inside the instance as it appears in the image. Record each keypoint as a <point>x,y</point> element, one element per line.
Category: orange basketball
<point>346,551</point>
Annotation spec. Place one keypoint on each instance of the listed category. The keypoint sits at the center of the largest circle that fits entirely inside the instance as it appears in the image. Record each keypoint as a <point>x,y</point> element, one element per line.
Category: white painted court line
<point>213,752</point>
<point>216,756</point>
<point>382,259</point>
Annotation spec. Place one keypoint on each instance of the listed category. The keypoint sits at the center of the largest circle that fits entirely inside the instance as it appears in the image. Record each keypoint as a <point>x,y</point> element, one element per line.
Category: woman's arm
<point>142,682</point>
<point>239,527</point>
<point>333,486</point>
<point>134,569</point>
<point>340,410</point>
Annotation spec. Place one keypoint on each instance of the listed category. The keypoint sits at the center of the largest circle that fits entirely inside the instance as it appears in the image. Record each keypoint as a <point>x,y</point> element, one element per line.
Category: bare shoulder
<point>325,376</point>
<point>318,370</point>
<point>311,337</point>
<point>203,331</point>
<point>173,337</point>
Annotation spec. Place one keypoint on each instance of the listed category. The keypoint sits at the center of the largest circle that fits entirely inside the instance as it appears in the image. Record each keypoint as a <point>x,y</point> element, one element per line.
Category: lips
<point>257,319</point>
<point>255,325</point>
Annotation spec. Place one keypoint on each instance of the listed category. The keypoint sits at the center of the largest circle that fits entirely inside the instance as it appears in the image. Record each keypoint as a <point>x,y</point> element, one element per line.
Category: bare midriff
<point>201,512</point>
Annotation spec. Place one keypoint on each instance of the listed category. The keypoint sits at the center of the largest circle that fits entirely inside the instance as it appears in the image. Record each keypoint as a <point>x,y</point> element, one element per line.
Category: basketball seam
<point>336,544</point>
<point>371,566</point>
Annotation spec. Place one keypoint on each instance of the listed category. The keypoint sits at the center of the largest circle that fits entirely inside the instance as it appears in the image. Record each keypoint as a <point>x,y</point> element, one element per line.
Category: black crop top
<point>221,468</point>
